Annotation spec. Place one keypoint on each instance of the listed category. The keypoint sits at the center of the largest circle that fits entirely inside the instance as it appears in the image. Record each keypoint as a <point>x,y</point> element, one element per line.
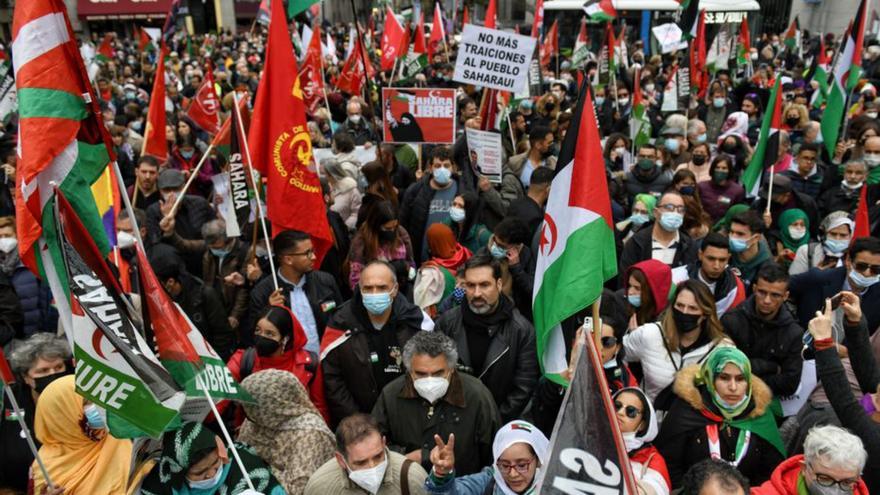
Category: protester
<point>714,477</point>
<point>664,241</point>
<point>21,290</point>
<point>281,417</point>
<point>639,426</point>
<point>712,268</point>
<point>464,220</point>
<point>829,249</point>
<point>382,236</point>
<point>435,279</point>
<point>647,288</point>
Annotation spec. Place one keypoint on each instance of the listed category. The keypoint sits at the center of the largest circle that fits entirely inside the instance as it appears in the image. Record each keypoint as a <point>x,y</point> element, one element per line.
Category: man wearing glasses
<point>766,331</point>
<point>663,241</point>
<point>832,462</point>
<point>807,174</point>
<point>860,274</point>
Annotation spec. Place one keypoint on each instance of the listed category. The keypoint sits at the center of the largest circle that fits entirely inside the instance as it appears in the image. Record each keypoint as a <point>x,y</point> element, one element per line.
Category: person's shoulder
<point>448,319</point>
<point>327,479</point>
<point>416,473</point>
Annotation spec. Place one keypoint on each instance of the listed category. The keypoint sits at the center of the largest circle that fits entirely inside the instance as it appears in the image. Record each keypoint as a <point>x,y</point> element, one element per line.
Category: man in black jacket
<point>310,294</point>
<point>663,241</point>
<point>362,344</point>
<point>766,331</point>
<point>495,342</point>
<point>713,269</point>
<point>530,208</point>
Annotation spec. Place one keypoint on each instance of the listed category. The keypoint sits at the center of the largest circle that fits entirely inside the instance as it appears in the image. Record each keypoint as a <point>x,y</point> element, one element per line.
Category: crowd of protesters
<point>406,361</point>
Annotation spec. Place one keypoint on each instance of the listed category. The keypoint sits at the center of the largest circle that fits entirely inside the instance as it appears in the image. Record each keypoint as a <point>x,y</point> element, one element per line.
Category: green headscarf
<point>724,222</point>
<point>787,218</point>
<point>713,365</point>
<point>649,201</point>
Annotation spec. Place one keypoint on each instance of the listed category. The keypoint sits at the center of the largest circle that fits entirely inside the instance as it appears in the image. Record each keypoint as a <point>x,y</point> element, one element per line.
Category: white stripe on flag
<point>56,172</point>
<point>38,37</point>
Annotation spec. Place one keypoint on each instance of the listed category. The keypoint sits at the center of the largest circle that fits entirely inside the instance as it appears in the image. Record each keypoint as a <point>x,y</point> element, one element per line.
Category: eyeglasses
<point>609,342</point>
<point>862,267</point>
<point>671,208</point>
<point>308,254</point>
<point>520,467</point>
<point>632,412</point>
<point>822,479</point>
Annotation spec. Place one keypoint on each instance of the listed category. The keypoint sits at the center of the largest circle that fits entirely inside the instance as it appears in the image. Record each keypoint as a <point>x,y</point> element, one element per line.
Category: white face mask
<point>124,240</point>
<point>356,118</point>
<point>871,115</point>
<point>431,388</point>
<point>871,159</point>
<point>796,233</point>
<point>8,244</point>
<point>631,441</point>
<point>370,479</point>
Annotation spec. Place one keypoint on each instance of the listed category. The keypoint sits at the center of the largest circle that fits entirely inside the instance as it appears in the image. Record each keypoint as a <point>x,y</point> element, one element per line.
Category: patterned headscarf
<point>178,449</point>
<point>713,365</point>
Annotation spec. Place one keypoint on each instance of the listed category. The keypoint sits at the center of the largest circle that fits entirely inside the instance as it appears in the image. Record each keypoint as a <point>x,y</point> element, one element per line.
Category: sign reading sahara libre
<point>493,59</point>
<point>419,115</point>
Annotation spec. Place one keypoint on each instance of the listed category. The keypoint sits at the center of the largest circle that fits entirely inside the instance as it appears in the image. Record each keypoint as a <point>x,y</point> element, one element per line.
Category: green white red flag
<point>577,221</point>
<point>600,10</point>
<point>767,149</point>
<point>640,125</point>
<point>698,73</point>
<point>581,47</point>
<point>744,43</point>
<point>105,49</point>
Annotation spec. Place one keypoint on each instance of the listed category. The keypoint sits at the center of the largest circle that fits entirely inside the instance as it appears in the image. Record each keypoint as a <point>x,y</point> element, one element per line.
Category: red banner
<point>115,8</point>
<point>415,115</point>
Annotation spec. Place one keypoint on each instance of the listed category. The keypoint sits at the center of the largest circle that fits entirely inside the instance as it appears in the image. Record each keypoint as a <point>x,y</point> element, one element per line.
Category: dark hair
<point>809,147</point>
<point>515,115</point>
<point>463,102</point>
<point>721,158</point>
<point>379,181</point>
<point>288,239</point>
<point>716,240</point>
<point>772,272</point>
<point>148,160</point>
<point>354,429</point>
<point>473,206</point>
<point>701,473</point>
<point>441,153</point>
<point>613,312</point>
<point>512,230</point>
<point>751,220</point>
<point>381,213</point>
<point>647,311</point>
<point>612,140</point>
<point>484,260</point>
<point>870,244</point>
<point>538,133</point>
<point>139,216</point>
<point>280,317</point>
<point>343,141</point>
<point>650,146</point>
<point>542,176</point>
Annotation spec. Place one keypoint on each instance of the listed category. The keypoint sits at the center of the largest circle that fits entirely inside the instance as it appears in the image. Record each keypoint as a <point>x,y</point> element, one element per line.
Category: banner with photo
<point>418,115</point>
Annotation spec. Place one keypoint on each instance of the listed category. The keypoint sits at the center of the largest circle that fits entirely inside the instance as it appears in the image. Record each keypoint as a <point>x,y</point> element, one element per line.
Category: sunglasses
<point>862,267</point>
<point>632,412</point>
<point>609,342</point>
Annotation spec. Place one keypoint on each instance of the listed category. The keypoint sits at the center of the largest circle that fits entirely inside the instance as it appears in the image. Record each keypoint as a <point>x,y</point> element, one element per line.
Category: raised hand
<point>820,326</point>
<point>851,306</point>
<point>443,455</point>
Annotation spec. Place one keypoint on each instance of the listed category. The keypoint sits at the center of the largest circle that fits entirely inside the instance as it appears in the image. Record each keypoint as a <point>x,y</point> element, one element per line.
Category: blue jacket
<point>35,298</point>
<point>810,289</point>
<point>472,484</point>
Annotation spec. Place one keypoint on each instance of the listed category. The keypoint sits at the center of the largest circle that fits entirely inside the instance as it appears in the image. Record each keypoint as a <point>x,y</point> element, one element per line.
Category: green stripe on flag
<point>41,102</point>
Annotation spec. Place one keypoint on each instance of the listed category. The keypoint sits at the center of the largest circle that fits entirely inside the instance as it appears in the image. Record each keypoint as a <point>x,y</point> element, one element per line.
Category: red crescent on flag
<point>549,225</point>
<point>96,343</point>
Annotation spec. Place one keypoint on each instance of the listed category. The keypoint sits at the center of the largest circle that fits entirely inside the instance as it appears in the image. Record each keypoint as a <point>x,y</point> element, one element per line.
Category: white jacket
<point>646,345</point>
<point>347,201</point>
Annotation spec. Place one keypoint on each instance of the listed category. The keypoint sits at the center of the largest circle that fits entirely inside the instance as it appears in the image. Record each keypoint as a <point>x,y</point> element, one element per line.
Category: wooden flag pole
<point>226,435</point>
<point>192,177</point>
<point>597,323</point>
<point>27,434</point>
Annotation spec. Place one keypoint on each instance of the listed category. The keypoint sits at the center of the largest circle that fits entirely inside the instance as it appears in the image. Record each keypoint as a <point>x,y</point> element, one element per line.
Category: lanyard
<point>742,444</point>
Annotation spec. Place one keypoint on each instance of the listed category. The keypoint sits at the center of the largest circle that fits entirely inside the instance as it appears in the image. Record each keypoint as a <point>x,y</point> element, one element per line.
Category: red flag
<point>863,222</point>
<point>204,109</point>
<point>144,39</point>
<point>154,134</point>
<point>419,45</point>
<point>745,36</point>
<point>392,40</point>
<point>438,35</point>
<point>311,77</point>
<point>490,15</point>
<point>281,149</point>
<point>699,76</point>
<point>222,138</point>
<point>489,110</point>
<point>352,77</point>
<point>465,19</point>
<point>551,44</point>
<point>5,372</point>
<point>539,19</point>
<point>105,50</point>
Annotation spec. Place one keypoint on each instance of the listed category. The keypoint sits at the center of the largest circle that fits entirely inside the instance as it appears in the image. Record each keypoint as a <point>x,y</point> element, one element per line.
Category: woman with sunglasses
<point>638,424</point>
<point>646,291</point>
<point>685,334</point>
<point>721,411</point>
<point>519,450</point>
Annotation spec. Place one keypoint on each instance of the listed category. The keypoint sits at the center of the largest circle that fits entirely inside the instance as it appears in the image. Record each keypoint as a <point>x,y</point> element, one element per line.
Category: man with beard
<point>25,301</point>
<point>495,342</point>
<point>712,268</point>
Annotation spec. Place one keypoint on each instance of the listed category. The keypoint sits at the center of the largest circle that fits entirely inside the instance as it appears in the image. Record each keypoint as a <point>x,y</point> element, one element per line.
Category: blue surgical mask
<point>701,138</point>
<point>718,102</point>
<point>687,190</point>
<point>376,304</point>
<point>671,144</point>
<point>497,251</point>
<point>836,246</point>
<point>187,154</point>
<point>442,175</point>
<point>639,218</point>
<point>671,221</point>
<point>600,100</point>
<point>94,418</point>
<point>861,280</point>
<point>635,300</point>
<point>207,484</point>
<point>220,253</point>
<point>738,245</point>
<point>456,214</point>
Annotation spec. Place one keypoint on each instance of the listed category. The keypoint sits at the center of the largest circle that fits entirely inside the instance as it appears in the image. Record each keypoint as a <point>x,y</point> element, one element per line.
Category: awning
<point>122,9</point>
<point>657,5</point>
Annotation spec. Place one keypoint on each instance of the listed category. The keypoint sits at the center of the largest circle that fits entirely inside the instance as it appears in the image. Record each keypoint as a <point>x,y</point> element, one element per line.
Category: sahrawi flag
<point>639,125</point>
<point>846,75</point>
<point>576,254</point>
<point>600,10</point>
<point>820,75</point>
<point>767,150</point>
<point>581,48</point>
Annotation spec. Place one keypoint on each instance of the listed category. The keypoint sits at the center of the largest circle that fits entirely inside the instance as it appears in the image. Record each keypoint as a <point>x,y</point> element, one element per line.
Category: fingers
<point>439,441</point>
<point>450,444</point>
<point>827,307</point>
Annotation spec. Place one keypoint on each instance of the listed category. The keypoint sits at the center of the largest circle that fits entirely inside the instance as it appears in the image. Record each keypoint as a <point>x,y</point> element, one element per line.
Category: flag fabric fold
<point>392,40</point>
<point>204,108</point>
<point>438,35</point>
<point>600,10</point>
<point>155,143</point>
<point>767,149</point>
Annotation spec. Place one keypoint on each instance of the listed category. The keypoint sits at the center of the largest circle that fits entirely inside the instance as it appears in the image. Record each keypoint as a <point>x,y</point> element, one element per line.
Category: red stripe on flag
<point>5,371</point>
<point>589,189</point>
<point>863,221</point>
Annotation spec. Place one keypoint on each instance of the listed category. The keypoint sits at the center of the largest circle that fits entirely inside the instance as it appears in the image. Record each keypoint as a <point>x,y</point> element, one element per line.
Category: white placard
<point>792,404</point>
<point>493,59</point>
<point>361,154</point>
<point>669,37</point>
<point>485,147</point>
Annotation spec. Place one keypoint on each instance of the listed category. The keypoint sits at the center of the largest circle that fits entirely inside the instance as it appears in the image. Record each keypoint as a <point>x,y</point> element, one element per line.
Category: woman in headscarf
<point>284,417</point>
<point>279,343</point>
<point>435,280</point>
<point>835,234</point>
<point>794,232</point>
<point>721,411</point>
<point>642,213</point>
<point>736,124</point>
<point>647,289</point>
<point>194,461</point>
<point>344,190</point>
<point>78,452</point>
<point>464,221</point>
<point>639,426</point>
<point>519,450</point>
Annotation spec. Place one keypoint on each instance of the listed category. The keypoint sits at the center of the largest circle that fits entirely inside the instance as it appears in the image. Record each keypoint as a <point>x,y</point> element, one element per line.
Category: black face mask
<point>729,148</point>
<point>792,121</point>
<point>684,322</point>
<point>387,235</point>
<point>265,347</point>
<point>698,159</point>
<point>42,382</point>
<point>549,107</point>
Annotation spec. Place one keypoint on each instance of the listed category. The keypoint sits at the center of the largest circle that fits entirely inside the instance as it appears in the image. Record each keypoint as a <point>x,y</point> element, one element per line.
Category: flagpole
<point>27,434</point>
<point>192,177</point>
<point>127,203</point>
<point>247,151</point>
<point>597,322</point>
<point>770,191</point>
<point>512,135</point>
<point>247,478</point>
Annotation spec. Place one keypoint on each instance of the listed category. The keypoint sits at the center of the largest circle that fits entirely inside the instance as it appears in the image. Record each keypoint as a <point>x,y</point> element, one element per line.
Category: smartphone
<point>835,301</point>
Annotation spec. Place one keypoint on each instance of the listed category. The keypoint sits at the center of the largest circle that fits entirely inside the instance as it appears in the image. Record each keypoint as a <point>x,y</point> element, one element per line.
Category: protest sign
<point>361,154</point>
<point>669,37</point>
<point>485,153</point>
<point>493,59</point>
<point>417,115</point>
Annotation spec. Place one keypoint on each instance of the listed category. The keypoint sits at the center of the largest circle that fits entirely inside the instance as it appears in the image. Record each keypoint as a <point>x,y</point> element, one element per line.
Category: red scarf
<point>461,255</point>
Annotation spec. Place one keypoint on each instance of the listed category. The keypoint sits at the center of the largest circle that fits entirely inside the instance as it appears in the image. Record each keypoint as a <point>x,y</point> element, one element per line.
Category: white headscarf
<point>736,124</point>
<point>634,442</point>
<point>518,431</point>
